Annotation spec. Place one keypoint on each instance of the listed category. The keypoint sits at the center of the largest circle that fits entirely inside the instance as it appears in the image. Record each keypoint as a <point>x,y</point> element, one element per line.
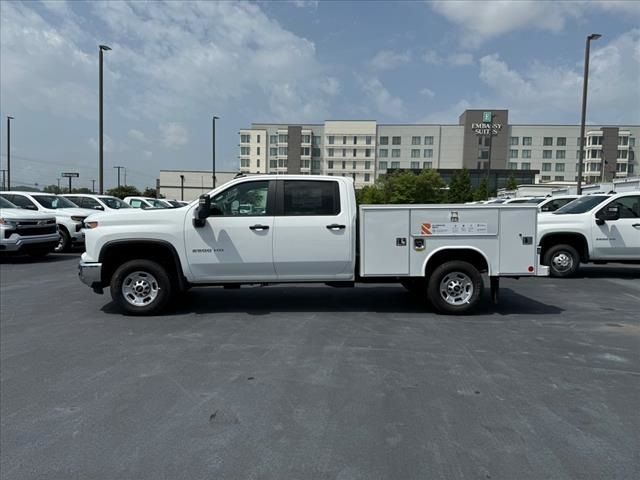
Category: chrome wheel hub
<point>140,288</point>
<point>562,261</point>
<point>456,288</point>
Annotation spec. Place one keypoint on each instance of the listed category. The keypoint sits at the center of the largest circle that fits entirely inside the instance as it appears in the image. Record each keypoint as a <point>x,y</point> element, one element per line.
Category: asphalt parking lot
<point>301,382</point>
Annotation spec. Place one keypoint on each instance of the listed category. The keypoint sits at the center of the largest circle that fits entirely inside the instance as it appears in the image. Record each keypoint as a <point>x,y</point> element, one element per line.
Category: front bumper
<point>542,271</point>
<point>17,243</point>
<point>91,274</point>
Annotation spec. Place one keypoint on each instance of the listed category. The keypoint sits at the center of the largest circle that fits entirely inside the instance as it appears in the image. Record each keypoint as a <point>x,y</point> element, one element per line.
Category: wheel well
<point>115,254</point>
<point>473,257</point>
<point>576,240</point>
<point>62,227</point>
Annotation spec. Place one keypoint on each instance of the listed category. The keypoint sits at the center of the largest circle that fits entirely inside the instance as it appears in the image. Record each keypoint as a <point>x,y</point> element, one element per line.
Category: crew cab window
<point>308,197</point>
<point>244,199</point>
<point>23,202</point>
<point>76,200</point>
<point>629,207</point>
<point>136,203</point>
<point>554,205</point>
<point>88,202</point>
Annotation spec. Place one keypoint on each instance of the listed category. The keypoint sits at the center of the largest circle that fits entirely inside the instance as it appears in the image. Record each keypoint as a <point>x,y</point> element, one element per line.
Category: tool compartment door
<point>384,242</point>
<point>518,228</point>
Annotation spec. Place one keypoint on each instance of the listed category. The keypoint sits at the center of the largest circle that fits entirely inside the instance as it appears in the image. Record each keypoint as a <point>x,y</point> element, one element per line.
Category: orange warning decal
<point>426,229</point>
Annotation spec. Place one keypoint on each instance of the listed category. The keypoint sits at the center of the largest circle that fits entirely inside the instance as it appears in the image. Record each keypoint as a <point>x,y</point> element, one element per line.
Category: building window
<point>526,141</point>
<point>526,153</point>
<point>354,166</point>
<point>367,152</point>
<point>578,154</point>
<point>512,166</point>
<point>395,153</point>
<point>483,154</point>
<point>305,151</point>
<point>344,152</point>
<point>547,141</point>
<point>315,164</point>
<point>306,138</point>
<point>273,151</point>
<point>382,165</point>
<point>355,140</point>
<point>415,165</point>
<point>273,163</point>
<point>415,152</point>
<point>395,140</point>
<point>344,165</point>
<point>595,141</point>
<point>367,177</point>
<point>559,167</point>
<point>546,167</point>
<point>367,139</point>
<point>428,140</point>
<point>427,165</point>
<point>330,164</point>
<point>383,153</point>
<point>415,140</point>
<point>561,141</point>
<point>395,165</point>
<point>244,162</point>
<point>367,165</point>
<point>513,153</point>
<point>283,138</point>
<point>558,178</point>
<point>428,153</point>
<point>384,140</point>
<point>315,152</point>
<point>545,178</point>
<point>622,154</point>
<point>332,139</point>
<point>330,152</point>
<point>621,167</point>
<point>632,141</point>
<point>525,166</point>
<point>514,140</point>
<point>547,154</point>
<point>623,140</point>
<point>245,150</point>
<point>560,154</point>
<point>283,150</point>
<point>273,139</point>
<point>257,150</point>
<point>354,152</point>
<point>344,139</point>
<point>245,138</point>
<point>315,140</point>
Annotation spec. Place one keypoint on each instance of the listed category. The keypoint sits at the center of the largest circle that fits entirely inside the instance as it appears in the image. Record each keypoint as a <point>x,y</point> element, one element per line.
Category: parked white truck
<point>273,229</point>
<point>593,228</point>
<point>24,231</point>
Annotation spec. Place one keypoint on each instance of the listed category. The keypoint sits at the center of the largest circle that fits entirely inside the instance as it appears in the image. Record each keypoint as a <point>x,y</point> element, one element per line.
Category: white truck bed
<point>399,240</point>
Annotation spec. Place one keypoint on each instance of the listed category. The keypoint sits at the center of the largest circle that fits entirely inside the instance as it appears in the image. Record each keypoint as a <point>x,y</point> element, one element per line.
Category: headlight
<point>78,219</point>
<point>91,225</point>
<point>8,223</point>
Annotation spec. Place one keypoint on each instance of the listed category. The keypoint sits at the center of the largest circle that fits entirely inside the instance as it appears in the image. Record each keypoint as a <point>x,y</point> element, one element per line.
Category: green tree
<point>370,195</point>
<point>460,190</point>
<point>51,189</point>
<point>124,191</point>
<point>400,187</point>
<point>481,192</point>
<point>511,184</point>
<point>430,188</point>
<point>82,190</point>
<point>151,192</point>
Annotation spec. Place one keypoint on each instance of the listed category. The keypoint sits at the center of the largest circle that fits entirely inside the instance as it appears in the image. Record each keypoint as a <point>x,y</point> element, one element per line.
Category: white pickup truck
<point>284,229</point>
<point>593,228</point>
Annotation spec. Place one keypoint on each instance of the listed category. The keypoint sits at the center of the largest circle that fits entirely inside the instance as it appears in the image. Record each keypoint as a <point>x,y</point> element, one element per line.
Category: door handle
<point>335,226</point>
<point>636,225</point>
<point>259,227</point>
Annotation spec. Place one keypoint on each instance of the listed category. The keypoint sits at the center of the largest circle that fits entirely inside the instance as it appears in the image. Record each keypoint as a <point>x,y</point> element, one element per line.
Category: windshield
<point>581,205</point>
<point>54,202</point>
<point>156,203</point>
<point>536,200</point>
<point>4,203</point>
<point>113,202</point>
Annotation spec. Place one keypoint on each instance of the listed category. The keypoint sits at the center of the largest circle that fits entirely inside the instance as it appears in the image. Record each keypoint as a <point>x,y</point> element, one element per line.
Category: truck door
<point>313,231</point>
<point>619,239</point>
<point>236,242</point>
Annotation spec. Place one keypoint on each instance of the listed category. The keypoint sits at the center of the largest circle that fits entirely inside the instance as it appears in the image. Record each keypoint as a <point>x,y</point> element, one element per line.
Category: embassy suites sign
<point>487,127</point>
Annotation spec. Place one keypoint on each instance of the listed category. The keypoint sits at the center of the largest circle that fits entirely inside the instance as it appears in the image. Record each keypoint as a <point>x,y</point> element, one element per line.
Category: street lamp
<point>593,36</point>
<point>101,48</point>
<point>213,148</point>
<point>182,187</point>
<point>9,152</point>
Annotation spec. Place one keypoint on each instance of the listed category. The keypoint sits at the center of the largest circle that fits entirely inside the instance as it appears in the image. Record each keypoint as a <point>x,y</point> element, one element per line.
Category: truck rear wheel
<point>563,260</point>
<point>455,288</point>
<point>141,287</point>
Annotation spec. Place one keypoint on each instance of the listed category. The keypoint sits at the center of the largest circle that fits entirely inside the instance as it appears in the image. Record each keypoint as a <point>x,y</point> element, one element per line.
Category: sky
<point>173,65</point>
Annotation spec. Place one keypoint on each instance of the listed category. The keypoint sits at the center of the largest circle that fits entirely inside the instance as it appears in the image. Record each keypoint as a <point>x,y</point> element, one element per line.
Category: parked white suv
<point>68,215</point>
<point>105,203</point>
<point>146,202</point>
<point>593,228</point>
<point>25,231</point>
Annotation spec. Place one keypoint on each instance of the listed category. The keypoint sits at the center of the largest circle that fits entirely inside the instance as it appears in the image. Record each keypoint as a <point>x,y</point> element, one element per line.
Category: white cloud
<point>427,92</point>
<point>431,57</point>
<point>148,153</point>
<point>460,59</point>
<point>383,101</point>
<point>306,3</point>
<point>109,145</point>
<point>388,59</point>
<point>173,135</point>
<point>449,115</point>
<point>137,135</point>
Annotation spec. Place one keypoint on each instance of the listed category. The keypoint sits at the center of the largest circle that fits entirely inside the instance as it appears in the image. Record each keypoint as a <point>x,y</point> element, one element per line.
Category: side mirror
<point>202,211</point>
<point>610,213</point>
<point>31,207</point>
<point>98,207</point>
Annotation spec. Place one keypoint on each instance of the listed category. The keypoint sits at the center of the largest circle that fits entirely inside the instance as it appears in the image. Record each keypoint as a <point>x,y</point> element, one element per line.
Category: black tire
<point>65,241</point>
<point>155,275</point>
<point>415,286</point>
<point>471,287</point>
<point>39,252</point>
<point>563,260</point>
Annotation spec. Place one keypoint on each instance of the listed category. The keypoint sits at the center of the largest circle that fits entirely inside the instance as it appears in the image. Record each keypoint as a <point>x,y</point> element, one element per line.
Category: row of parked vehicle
<point>39,223</point>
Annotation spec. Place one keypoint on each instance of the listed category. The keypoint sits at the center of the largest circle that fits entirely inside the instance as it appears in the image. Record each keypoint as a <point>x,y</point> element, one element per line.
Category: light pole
<point>101,48</point>
<point>182,187</point>
<point>58,185</point>
<point>213,148</point>
<point>93,186</point>
<point>9,152</point>
<point>585,82</point>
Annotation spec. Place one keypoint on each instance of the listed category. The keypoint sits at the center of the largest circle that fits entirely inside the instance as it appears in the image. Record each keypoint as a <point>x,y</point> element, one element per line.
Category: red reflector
<point>530,268</point>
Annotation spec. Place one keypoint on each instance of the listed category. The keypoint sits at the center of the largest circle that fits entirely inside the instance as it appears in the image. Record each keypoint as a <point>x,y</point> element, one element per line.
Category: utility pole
<point>181,187</point>
<point>4,173</point>
<point>58,185</point>
<point>93,186</point>
<point>125,176</point>
<point>69,184</point>
<point>9,152</point>
<point>213,148</point>
<point>101,48</point>
<point>118,175</point>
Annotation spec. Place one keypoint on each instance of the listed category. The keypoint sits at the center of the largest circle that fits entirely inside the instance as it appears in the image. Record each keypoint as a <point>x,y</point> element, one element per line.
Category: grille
<point>30,231</point>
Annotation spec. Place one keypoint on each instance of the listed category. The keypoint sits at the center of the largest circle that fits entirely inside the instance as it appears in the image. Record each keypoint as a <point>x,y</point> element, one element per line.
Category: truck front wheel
<point>563,260</point>
<point>455,288</point>
<point>141,287</point>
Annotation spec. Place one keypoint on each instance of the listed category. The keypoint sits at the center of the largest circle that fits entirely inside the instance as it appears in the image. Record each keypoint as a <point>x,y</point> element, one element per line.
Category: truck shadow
<point>379,299</point>
<point>631,272</point>
<point>20,259</point>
